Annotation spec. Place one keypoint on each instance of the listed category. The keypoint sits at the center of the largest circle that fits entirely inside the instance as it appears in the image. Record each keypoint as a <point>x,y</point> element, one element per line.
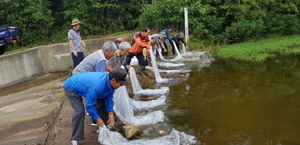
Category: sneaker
<point>74,142</point>
<point>94,123</point>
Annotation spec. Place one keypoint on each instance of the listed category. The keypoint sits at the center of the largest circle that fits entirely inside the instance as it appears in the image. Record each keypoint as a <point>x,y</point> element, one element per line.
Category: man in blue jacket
<point>97,87</point>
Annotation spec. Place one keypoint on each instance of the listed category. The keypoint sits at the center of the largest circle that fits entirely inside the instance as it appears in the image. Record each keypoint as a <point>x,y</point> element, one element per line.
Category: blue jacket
<point>93,86</point>
<point>167,35</point>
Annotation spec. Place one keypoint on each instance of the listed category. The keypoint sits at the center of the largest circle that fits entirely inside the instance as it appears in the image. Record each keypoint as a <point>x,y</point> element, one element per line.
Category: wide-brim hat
<point>75,22</point>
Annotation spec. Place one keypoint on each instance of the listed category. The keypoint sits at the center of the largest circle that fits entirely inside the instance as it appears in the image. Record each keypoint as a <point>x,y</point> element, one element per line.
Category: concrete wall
<point>29,64</point>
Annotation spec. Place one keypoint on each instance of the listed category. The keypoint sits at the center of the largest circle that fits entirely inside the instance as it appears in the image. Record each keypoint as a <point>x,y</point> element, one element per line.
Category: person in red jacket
<point>139,42</point>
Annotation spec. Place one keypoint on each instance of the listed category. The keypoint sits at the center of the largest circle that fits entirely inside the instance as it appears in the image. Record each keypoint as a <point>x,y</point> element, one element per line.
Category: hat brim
<point>75,24</point>
<point>125,83</point>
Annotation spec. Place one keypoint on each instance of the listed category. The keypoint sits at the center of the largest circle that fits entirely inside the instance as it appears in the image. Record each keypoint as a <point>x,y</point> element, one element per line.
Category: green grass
<point>124,33</point>
<point>261,50</point>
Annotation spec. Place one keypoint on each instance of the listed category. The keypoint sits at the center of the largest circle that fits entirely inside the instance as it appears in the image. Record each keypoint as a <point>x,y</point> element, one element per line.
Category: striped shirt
<point>75,36</point>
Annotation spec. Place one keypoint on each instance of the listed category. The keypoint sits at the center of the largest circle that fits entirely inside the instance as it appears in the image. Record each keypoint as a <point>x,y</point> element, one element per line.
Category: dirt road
<point>34,113</point>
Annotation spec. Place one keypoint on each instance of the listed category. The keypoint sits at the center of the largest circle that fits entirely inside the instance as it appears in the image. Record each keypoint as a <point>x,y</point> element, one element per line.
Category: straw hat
<point>75,22</point>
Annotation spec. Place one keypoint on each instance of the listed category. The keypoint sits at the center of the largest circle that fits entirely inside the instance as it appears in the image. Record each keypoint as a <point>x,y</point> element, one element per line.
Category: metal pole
<point>186,25</point>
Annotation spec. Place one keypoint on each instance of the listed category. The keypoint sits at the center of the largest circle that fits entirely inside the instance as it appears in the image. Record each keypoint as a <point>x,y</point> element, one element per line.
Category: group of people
<point>99,74</point>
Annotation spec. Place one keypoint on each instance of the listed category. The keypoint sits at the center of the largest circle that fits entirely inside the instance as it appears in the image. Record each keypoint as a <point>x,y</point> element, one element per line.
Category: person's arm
<point>83,44</point>
<point>91,100</point>
<point>109,68</point>
<point>109,104</point>
<point>126,65</point>
<point>182,41</point>
<point>101,66</point>
<point>110,64</point>
<point>139,42</point>
<point>167,35</point>
<point>72,47</point>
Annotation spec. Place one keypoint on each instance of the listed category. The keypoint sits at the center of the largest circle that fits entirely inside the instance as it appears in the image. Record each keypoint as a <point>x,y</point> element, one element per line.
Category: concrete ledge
<point>19,67</point>
<point>29,64</point>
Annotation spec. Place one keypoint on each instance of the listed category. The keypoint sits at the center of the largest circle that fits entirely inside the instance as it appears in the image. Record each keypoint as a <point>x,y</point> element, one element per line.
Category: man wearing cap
<point>96,87</point>
<point>178,40</point>
<point>118,42</point>
<point>76,43</point>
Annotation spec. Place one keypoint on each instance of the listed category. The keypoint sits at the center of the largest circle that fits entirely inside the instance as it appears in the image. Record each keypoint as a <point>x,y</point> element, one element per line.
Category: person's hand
<point>186,47</point>
<point>75,53</point>
<point>111,120</point>
<point>100,122</point>
<point>128,66</point>
<point>83,44</point>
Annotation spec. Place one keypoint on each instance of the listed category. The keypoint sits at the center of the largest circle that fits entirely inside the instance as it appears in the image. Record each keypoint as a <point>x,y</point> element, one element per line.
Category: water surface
<point>240,103</point>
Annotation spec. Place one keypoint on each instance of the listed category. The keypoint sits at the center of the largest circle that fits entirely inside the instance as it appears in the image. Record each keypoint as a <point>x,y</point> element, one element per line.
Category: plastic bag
<point>139,91</point>
<point>158,78</point>
<point>107,137</point>
<point>177,58</point>
<point>169,71</point>
<point>124,109</point>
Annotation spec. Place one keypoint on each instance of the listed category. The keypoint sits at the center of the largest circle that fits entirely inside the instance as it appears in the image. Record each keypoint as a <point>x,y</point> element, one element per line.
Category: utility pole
<point>186,25</point>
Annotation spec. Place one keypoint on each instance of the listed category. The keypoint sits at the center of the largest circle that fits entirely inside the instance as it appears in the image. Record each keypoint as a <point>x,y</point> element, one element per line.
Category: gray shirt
<point>117,60</point>
<point>95,62</point>
<point>75,36</point>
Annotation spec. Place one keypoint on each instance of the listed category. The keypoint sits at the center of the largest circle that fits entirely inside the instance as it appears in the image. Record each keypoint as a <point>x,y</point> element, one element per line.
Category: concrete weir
<point>29,64</point>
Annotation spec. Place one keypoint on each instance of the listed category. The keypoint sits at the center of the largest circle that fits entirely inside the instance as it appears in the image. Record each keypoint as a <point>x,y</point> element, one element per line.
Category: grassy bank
<point>260,50</point>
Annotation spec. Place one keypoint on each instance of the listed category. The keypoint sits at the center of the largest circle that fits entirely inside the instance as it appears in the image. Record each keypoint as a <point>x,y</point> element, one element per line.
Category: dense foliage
<point>215,21</point>
<point>226,20</point>
<point>40,20</point>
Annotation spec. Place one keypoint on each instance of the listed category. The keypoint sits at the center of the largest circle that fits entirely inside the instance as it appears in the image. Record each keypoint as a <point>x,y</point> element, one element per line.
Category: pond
<point>240,103</point>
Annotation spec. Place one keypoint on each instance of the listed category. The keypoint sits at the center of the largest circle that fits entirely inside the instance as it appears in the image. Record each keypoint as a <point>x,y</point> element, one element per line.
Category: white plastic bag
<point>107,137</point>
<point>124,109</point>
<point>139,91</point>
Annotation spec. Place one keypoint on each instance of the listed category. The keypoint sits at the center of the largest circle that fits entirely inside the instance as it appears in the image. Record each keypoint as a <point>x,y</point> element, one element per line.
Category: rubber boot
<point>142,68</point>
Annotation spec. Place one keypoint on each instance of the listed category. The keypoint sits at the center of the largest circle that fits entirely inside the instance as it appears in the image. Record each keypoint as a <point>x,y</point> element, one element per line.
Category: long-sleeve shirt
<point>95,62</point>
<point>93,86</point>
<point>178,40</point>
<point>167,35</point>
<point>138,43</point>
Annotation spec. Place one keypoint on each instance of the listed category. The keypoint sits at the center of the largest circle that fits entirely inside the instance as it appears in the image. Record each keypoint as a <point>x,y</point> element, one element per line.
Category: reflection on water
<point>237,103</point>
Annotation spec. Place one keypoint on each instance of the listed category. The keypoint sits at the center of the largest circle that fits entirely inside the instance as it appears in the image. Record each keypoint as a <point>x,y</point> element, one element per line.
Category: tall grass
<point>261,50</point>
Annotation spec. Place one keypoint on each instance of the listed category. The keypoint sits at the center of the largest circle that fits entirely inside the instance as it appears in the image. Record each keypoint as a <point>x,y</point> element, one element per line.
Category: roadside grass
<point>260,50</point>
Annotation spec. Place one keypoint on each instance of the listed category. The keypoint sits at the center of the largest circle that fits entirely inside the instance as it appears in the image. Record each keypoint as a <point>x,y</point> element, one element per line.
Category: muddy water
<point>238,103</point>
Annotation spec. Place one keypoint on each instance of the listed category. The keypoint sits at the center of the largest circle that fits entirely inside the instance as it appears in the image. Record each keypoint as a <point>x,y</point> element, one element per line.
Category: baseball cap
<point>120,76</point>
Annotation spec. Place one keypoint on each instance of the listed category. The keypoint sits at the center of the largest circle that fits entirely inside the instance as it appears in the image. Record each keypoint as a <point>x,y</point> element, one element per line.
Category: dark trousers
<point>163,52</point>
<point>139,56</point>
<point>173,48</point>
<point>100,106</point>
<point>78,59</point>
